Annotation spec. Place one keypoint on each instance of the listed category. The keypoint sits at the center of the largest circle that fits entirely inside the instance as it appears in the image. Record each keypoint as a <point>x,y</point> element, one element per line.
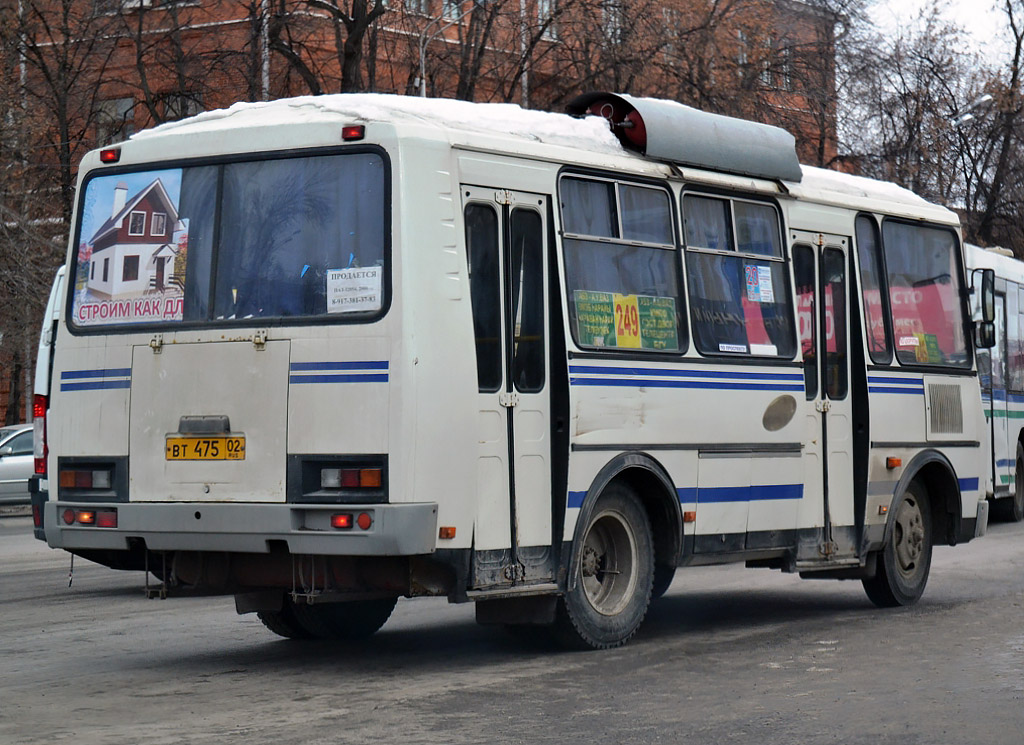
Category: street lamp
<point>968,111</point>
<point>425,40</point>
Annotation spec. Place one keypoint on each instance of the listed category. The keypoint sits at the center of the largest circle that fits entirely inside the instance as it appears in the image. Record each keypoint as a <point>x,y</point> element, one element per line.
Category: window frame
<point>125,261</point>
<point>784,259</point>
<point>152,225</point>
<point>683,328</point>
<point>221,161</point>
<point>131,218</point>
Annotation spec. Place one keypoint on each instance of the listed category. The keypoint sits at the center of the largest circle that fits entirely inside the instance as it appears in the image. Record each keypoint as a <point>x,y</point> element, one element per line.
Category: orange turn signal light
<point>892,463</point>
<point>447,532</point>
<point>690,516</point>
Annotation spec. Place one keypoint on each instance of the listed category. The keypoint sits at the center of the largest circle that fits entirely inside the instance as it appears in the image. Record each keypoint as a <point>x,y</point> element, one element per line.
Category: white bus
<point>323,353</point>
<point>1001,372</point>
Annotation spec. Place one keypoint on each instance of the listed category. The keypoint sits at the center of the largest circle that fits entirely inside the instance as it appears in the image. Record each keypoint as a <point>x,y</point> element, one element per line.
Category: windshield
<point>925,294</point>
<point>279,238</point>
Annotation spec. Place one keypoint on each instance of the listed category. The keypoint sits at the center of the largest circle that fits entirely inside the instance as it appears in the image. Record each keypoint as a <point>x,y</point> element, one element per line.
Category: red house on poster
<point>133,252</point>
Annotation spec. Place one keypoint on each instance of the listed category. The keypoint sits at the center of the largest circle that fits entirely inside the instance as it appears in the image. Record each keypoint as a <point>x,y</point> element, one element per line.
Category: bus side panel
<point>338,395</point>
<point>91,393</point>
<point>438,383</point>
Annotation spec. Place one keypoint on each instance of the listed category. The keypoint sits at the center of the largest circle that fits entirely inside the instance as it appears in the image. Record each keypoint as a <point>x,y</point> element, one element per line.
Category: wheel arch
<point>657,494</point>
<point>935,473</point>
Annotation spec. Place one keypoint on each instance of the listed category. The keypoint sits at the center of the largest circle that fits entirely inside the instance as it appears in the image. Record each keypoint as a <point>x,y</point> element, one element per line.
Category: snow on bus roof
<point>503,119</point>
<point>821,179</point>
<point>591,133</point>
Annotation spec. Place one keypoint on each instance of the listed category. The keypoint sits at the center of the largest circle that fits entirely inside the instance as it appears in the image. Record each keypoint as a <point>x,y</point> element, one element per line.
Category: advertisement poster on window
<point>607,319</point>
<point>132,251</point>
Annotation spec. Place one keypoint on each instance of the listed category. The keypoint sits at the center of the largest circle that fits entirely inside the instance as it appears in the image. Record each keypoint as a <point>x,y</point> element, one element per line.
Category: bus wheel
<point>614,574</point>
<point>905,559</point>
<point>1011,509</point>
<point>663,576</point>
<point>355,619</point>
<point>284,623</point>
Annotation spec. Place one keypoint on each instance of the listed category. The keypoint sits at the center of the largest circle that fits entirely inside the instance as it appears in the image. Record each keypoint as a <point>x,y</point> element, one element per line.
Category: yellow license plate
<point>205,448</point>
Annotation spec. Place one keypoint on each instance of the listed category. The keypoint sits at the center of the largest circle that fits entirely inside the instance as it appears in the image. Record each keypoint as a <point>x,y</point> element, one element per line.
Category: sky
<point>979,17</point>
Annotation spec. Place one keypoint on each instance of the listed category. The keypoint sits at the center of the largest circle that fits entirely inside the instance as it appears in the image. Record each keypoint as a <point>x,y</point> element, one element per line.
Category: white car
<point>16,463</point>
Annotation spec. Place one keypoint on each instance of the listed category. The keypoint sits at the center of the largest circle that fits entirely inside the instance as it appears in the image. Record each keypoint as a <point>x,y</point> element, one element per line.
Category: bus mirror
<point>988,295</point>
<point>985,334</point>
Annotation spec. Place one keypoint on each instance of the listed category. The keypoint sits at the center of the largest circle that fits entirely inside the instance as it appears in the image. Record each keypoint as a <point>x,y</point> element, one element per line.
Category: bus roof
<point>504,127</point>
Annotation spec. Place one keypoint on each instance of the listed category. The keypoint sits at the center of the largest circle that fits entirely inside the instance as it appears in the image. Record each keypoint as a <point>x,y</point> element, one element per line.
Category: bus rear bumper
<point>393,530</point>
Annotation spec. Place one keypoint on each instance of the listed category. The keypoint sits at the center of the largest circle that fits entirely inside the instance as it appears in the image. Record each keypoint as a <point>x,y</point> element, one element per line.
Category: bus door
<point>1003,456</point>
<point>506,233</point>
<point>820,265</point>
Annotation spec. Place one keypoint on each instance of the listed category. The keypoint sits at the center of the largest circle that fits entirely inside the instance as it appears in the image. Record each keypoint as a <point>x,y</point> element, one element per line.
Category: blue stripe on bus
<point>901,381</point>
<point>749,493</point>
<point>120,372</point>
<point>683,373</point>
<point>95,385</point>
<point>1005,462</point>
<point>647,383</point>
<point>968,484</point>
<point>711,495</point>
<point>1016,398</point>
<point>887,389</point>
<point>372,378</point>
<point>368,365</point>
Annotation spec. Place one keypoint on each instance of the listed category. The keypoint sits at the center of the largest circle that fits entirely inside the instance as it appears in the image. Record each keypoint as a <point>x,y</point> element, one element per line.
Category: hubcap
<point>909,536</point>
<point>608,563</point>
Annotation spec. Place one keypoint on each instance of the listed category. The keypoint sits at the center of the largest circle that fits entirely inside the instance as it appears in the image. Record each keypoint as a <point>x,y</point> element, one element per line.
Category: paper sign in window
<point>759,284</point>
<point>354,290</point>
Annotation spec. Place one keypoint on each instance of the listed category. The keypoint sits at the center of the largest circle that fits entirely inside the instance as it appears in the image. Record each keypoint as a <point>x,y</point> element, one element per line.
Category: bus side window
<point>807,319</point>
<point>876,329</point>
<point>738,279</point>
<point>485,292</point>
<point>833,282</point>
<point>527,300</point>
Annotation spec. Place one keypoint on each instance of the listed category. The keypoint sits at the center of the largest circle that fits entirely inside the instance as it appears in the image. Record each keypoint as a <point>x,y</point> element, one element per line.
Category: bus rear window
<point>277,238</point>
<point>925,295</point>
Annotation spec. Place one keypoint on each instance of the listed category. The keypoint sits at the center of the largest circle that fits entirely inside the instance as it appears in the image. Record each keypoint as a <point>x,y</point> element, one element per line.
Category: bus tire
<point>663,576</point>
<point>1011,509</point>
<point>354,619</point>
<point>614,575</point>
<point>905,560</point>
<point>284,623</point>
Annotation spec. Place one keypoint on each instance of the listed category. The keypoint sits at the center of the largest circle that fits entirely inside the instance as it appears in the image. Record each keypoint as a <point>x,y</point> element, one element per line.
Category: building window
<point>614,16</point>
<point>546,10</point>
<point>137,223</point>
<point>106,270</point>
<point>179,105</point>
<point>741,53</point>
<point>767,73</point>
<point>159,226</point>
<point>114,120</point>
<point>130,269</point>
<point>420,7</point>
<point>451,8</point>
<point>785,76</point>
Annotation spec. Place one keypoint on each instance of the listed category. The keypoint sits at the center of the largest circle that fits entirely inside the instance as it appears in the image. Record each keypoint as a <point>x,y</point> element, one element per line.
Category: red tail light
<point>39,447</point>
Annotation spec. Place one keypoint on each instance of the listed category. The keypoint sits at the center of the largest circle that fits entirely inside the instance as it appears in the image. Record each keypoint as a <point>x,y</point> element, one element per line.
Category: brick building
<point>94,71</point>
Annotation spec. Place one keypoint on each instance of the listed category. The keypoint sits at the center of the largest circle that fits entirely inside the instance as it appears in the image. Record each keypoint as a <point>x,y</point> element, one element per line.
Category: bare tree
<point>67,48</point>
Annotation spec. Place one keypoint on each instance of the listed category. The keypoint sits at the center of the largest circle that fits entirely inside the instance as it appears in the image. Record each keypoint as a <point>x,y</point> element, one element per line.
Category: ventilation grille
<point>947,413</point>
